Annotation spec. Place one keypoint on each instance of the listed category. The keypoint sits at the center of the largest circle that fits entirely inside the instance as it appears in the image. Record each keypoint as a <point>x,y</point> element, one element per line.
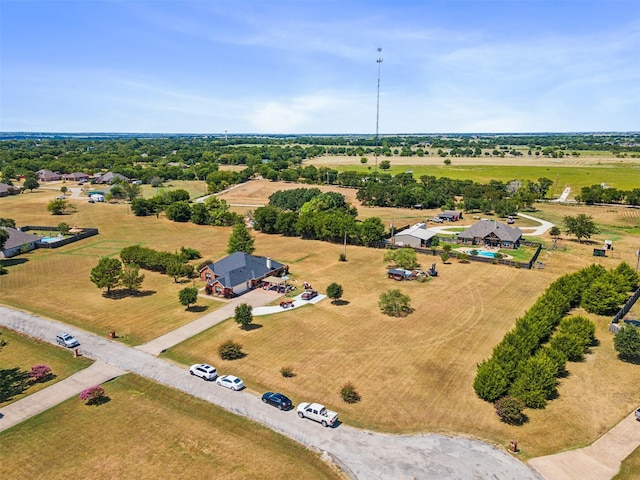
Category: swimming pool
<point>483,253</point>
<point>50,239</point>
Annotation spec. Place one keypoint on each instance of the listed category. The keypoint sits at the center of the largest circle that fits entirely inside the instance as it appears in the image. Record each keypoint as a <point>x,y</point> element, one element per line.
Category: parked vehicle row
<point>313,411</point>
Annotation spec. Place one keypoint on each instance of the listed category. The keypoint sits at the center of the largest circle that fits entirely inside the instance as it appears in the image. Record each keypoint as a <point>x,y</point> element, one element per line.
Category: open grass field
<point>23,353</point>
<point>55,283</point>
<point>423,364</point>
<point>147,431</point>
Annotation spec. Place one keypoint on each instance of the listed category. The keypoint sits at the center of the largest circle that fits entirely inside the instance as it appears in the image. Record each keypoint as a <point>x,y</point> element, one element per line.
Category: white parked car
<point>204,371</point>
<point>230,381</point>
<point>317,412</point>
<point>67,340</point>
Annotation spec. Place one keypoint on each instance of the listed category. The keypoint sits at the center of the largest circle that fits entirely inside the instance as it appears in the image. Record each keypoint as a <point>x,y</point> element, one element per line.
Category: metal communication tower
<point>379,61</point>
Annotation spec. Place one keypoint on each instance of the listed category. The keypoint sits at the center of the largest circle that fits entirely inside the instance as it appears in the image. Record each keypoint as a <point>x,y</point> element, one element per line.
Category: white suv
<point>204,371</point>
<point>67,340</point>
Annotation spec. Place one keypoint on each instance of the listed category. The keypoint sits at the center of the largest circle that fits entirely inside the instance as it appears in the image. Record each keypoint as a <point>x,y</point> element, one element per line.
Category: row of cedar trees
<point>525,365</point>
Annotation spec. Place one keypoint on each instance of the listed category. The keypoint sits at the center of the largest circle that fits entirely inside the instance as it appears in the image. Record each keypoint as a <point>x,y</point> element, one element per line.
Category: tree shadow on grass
<point>198,308</point>
<point>340,303</point>
<point>11,262</point>
<point>13,381</point>
<point>99,401</point>
<point>252,326</point>
<point>125,292</point>
<point>635,360</point>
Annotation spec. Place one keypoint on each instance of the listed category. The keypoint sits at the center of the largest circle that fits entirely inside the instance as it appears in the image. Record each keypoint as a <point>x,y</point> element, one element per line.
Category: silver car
<point>67,340</point>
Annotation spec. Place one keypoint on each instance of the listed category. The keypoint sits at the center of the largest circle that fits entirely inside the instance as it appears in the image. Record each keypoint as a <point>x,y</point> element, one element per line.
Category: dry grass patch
<point>23,353</point>
<point>55,283</point>
<point>147,431</point>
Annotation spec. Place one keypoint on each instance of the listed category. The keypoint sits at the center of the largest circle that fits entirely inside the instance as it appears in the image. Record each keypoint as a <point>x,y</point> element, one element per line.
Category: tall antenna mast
<point>379,61</point>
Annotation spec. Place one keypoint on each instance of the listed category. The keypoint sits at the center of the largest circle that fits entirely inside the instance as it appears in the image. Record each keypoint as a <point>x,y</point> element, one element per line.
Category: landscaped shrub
<point>628,276</point>
<point>287,372</point>
<point>149,259</point>
<point>627,342</point>
<point>93,395</point>
<point>394,303</point>
<point>536,382</point>
<point>582,327</point>
<point>558,358</point>
<point>603,297</point>
<point>491,381</point>
<point>230,350</point>
<point>569,344</point>
<point>509,410</point>
<point>349,393</point>
<point>40,373</point>
<point>189,253</point>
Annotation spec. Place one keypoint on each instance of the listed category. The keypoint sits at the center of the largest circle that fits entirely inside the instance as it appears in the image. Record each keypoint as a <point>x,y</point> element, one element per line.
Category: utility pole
<point>637,261</point>
<point>379,61</point>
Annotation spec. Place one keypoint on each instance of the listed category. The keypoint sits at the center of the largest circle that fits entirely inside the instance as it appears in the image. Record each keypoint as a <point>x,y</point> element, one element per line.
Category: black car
<point>277,400</point>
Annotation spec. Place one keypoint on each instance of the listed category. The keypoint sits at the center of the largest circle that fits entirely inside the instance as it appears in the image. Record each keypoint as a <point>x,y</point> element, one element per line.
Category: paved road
<point>362,454</point>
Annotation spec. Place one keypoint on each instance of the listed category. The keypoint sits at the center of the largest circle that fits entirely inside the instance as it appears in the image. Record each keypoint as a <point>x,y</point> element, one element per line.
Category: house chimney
<point>268,263</point>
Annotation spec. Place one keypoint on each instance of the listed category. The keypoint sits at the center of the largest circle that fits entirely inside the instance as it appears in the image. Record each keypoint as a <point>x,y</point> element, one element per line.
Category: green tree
<point>63,227</point>
<point>107,273</point>
<point>394,303</point>
<point>581,226</point>
<point>491,382</point>
<point>230,350</point>
<point>627,342</point>
<point>60,206</point>
<point>602,297</point>
<point>131,191</point>
<point>240,240</point>
<point>64,189</point>
<point>569,344</point>
<point>188,296</point>
<point>555,231</point>
<point>334,292</point>
<point>178,269</point>
<point>627,275</point>
<point>445,257</point>
<point>4,236</point>
<point>179,211</point>
<point>130,277</point>
<point>402,258</point>
<point>244,315</point>
<point>31,184</point>
<point>536,382</point>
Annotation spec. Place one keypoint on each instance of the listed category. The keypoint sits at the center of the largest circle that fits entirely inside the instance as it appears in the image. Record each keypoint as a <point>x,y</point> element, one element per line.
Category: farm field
<point>427,359</point>
<point>23,353</point>
<point>147,431</point>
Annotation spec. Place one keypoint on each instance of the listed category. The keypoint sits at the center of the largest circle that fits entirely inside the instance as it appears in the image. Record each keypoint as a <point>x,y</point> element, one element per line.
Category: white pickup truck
<point>317,412</point>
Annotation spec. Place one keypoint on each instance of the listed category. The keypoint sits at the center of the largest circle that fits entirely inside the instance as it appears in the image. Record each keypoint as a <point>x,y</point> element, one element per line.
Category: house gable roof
<point>240,267</point>
<point>486,227</point>
<point>18,238</point>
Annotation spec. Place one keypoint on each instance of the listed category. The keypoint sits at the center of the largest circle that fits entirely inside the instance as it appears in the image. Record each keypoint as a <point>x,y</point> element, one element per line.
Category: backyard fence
<point>627,306</point>
<point>86,233</point>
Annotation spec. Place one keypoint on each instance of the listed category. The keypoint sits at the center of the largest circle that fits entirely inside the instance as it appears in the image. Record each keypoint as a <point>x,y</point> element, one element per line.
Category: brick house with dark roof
<point>239,272</point>
<point>6,189</point>
<point>491,233</point>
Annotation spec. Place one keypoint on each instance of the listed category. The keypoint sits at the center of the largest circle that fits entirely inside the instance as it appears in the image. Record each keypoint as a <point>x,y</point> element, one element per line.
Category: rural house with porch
<point>239,272</point>
<point>491,234</point>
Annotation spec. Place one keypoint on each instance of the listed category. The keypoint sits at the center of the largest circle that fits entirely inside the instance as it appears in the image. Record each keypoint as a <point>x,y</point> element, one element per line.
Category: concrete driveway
<point>362,454</point>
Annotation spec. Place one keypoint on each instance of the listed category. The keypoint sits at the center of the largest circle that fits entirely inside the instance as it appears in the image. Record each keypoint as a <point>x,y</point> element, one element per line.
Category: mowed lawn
<point>147,431</point>
<point>23,353</point>
<point>55,283</point>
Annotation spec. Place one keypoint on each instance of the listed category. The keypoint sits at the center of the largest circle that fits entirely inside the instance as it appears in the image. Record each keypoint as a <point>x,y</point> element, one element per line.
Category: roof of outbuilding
<point>486,227</point>
<point>240,267</point>
<point>417,231</point>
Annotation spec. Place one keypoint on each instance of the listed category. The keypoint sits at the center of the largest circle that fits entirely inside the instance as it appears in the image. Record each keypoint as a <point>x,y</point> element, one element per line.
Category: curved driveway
<point>361,454</point>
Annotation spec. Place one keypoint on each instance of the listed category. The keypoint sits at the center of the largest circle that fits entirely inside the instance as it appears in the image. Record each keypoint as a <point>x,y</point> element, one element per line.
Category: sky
<point>311,67</point>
